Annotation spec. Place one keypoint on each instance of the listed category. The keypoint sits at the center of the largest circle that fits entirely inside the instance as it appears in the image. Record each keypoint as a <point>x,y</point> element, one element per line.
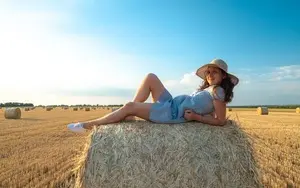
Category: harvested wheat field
<point>38,150</point>
<point>276,142</point>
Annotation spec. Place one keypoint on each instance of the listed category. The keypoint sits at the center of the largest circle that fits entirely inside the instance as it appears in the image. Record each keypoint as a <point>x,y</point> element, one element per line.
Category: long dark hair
<point>226,84</point>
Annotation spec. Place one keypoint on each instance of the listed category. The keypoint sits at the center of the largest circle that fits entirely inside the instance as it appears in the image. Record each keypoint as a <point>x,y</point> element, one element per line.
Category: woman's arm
<point>219,119</point>
<point>220,115</point>
<point>209,120</point>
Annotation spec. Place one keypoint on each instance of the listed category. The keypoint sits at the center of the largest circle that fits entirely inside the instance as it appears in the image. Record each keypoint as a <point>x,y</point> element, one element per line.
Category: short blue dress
<point>171,110</point>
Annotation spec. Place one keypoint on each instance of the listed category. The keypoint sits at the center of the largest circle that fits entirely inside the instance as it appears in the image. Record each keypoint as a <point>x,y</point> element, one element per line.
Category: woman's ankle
<point>87,126</point>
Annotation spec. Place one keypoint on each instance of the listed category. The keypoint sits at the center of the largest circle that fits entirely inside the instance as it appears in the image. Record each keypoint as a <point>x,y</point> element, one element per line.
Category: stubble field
<point>39,151</point>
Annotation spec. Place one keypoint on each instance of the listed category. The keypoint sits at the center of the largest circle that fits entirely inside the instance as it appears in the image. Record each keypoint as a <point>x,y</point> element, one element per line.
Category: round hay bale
<point>262,111</point>
<point>49,108</point>
<point>298,110</point>
<point>75,109</point>
<point>27,109</point>
<point>114,108</point>
<point>81,108</point>
<point>87,109</point>
<point>66,108</point>
<point>143,154</point>
<point>229,109</point>
<point>12,113</point>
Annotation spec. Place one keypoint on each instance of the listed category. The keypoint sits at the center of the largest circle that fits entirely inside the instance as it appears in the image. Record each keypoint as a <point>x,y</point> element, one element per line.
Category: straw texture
<point>262,110</point>
<point>144,154</point>
<point>49,108</point>
<point>12,113</point>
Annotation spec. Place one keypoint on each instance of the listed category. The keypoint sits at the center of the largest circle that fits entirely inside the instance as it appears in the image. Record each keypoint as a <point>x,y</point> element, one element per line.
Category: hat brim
<point>201,73</point>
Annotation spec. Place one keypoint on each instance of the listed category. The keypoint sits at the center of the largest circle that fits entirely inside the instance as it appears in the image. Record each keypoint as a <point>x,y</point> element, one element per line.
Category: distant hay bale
<point>298,110</point>
<point>229,109</point>
<point>144,154</point>
<point>75,109</point>
<point>114,108</point>
<point>87,109</point>
<point>94,108</point>
<point>12,113</point>
<point>49,108</point>
<point>81,108</point>
<point>27,109</point>
<point>262,111</point>
<point>66,108</point>
<point>32,108</point>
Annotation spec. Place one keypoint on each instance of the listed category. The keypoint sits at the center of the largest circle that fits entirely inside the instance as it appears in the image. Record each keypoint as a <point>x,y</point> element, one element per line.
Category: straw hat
<point>220,64</point>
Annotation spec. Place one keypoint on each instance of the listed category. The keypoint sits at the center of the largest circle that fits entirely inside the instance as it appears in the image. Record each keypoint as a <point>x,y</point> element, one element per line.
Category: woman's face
<point>214,75</point>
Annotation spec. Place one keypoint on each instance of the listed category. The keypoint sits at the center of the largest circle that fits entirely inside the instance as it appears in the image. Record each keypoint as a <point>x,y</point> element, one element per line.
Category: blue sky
<point>98,52</point>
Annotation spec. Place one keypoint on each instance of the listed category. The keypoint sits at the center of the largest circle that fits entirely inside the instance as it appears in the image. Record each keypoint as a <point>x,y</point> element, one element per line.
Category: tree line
<point>269,106</point>
<point>18,104</point>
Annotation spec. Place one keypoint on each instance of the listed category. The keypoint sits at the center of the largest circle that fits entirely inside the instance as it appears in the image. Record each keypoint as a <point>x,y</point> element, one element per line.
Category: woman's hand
<point>189,115</point>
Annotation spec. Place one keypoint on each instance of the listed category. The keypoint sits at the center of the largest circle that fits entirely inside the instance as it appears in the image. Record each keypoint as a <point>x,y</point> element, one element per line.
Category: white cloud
<point>285,73</point>
<point>185,85</point>
<point>37,56</point>
<point>254,88</point>
<point>269,74</point>
<point>272,85</point>
<point>190,79</point>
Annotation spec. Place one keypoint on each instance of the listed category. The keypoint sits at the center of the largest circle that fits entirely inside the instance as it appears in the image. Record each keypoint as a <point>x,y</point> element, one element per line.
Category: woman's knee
<point>129,107</point>
<point>138,109</point>
<point>151,76</point>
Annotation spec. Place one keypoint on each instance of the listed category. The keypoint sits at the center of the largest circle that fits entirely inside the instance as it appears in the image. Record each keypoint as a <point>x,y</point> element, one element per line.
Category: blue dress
<point>171,110</point>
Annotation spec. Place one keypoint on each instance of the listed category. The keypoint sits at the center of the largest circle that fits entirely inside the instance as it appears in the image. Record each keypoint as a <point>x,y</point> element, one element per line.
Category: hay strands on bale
<point>262,110</point>
<point>12,113</point>
<point>144,154</point>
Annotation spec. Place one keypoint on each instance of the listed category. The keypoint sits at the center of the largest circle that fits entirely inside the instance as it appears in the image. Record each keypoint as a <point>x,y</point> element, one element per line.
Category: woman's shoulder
<point>215,91</point>
<point>218,93</point>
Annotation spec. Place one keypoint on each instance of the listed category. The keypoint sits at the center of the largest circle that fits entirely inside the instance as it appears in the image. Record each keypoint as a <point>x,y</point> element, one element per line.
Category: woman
<point>210,98</point>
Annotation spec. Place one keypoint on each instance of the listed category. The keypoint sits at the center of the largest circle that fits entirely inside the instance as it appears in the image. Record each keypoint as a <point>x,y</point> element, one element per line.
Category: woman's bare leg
<point>138,109</point>
<point>151,84</point>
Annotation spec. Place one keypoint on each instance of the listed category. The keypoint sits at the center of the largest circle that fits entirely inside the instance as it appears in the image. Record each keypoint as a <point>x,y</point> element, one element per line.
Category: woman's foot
<point>76,127</point>
<point>130,118</point>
